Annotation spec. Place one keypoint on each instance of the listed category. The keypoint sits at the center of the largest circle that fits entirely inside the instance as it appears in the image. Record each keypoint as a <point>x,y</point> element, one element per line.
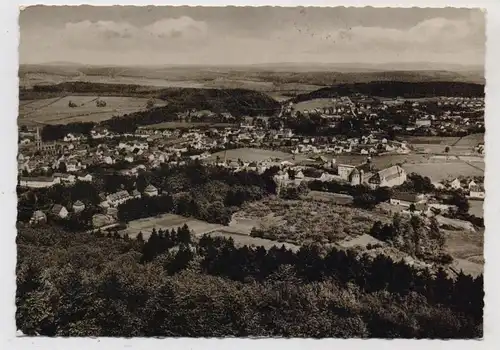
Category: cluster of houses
<point>473,189</point>
<point>108,204</point>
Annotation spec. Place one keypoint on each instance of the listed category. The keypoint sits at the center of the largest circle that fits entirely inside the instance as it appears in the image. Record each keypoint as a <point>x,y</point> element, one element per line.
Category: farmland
<point>439,170</point>
<point>57,110</point>
<point>312,104</point>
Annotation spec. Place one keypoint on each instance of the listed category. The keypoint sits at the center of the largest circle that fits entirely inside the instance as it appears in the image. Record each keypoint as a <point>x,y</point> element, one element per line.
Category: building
<point>45,148</point>
<point>78,206</point>
<point>118,198</point>
<point>476,192</point>
<point>150,191</point>
<point>59,211</point>
<point>39,181</point>
<point>455,184</point>
<point>389,177</point>
<point>345,171</point>
<point>406,199</point>
<point>66,178</point>
<point>86,177</point>
<point>422,123</point>
<point>356,177</point>
<point>38,217</point>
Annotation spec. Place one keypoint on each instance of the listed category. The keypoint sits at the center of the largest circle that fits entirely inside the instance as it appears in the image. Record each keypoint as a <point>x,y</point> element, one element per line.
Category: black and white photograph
<point>250,172</point>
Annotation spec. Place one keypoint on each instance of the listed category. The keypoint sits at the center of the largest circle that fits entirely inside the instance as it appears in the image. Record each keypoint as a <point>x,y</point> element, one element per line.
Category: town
<point>121,167</point>
<point>251,172</point>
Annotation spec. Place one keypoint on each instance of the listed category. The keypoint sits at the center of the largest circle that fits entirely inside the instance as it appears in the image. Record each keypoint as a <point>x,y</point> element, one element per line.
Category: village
<point>372,160</point>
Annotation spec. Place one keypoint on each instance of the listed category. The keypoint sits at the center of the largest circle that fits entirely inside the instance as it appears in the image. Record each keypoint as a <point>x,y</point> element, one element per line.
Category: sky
<point>127,35</point>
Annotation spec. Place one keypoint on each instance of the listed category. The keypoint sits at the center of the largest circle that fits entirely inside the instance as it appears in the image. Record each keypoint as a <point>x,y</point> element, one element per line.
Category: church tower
<point>38,139</point>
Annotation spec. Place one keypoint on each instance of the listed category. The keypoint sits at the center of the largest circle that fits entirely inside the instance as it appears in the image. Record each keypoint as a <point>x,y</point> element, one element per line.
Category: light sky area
<point>238,35</point>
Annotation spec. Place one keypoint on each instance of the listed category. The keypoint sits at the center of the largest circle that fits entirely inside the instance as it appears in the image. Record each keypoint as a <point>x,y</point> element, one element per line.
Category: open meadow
<point>57,110</point>
<point>251,155</point>
<point>467,250</point>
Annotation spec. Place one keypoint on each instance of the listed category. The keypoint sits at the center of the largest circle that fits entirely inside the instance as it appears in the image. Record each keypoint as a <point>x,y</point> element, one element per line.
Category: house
<point>78,206</point>
<point>476,192</point>
<point>39,182</point>
<point>59,211</point>
<point>118,198</point>
<point>345,170</point>
<point>38,217</point>
<point>455,184</point>
<point>389,177</point>
<point>86,177</point>
<point>150,191</point>
<point>405,199</point>
<point>65,178</point>
<point>422,123</point>
<point>471,184</point>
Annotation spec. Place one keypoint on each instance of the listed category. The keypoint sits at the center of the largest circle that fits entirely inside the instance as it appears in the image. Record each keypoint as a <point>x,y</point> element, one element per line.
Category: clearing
<point>467,249</point>
<point>307,221</point>
<point>57,110</point>
<point>251,155</point>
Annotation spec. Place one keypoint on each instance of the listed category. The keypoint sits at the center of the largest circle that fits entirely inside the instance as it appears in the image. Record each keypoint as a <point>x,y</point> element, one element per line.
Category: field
<point>476,208</point>
<point>57,110</point>
<point>312,104</point>
<point>250,155</point>
<point>467,249</point>
<point>438,171</point>
<point>436,144</point>
<point>167,221</point>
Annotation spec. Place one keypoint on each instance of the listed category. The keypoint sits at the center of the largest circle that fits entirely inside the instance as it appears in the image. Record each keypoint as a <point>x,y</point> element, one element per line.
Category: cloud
<point>187,40</point>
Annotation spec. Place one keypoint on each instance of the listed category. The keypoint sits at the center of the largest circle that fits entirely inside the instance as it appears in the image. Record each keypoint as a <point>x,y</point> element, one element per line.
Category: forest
<point>397,89</point>
<point>97,285</point>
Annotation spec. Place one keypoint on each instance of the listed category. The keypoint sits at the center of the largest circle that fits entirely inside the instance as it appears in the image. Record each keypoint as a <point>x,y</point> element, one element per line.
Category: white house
<point>118,198</point>
<point>476,192</point>
<point>78,206</point>
<point>150,191</point>
<point>455,184</point>
<point>59,211</point>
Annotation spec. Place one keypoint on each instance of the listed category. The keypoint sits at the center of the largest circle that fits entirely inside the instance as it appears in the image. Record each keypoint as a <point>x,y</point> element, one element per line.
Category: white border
<point>8,142</point>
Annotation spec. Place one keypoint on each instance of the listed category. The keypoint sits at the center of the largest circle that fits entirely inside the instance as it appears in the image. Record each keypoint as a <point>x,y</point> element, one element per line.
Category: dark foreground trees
<point>87,285</point>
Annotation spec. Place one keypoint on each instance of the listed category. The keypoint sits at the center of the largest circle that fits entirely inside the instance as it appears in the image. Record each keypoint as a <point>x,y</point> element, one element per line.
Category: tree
<point>62,167</point>
<point>412,208</point>
<point>365,200</point>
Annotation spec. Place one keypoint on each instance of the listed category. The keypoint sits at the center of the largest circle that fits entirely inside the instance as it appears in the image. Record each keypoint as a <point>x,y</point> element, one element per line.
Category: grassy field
<point>57,111</point>
<point>438,171</point>
<point>312,104</point>
<point>167,221</point>
<point>467,249</point>
<point>251,155</point>
<point>476,208</point>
